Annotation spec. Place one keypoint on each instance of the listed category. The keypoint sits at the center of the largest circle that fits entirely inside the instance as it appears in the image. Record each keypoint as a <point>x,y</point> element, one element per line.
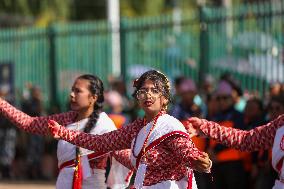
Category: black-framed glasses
<point>153,92</point>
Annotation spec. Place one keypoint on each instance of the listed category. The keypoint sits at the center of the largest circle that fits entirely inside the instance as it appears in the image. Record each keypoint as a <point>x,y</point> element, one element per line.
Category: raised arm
<point>184,149</point>
<point>112,141</point>
<point>123,157</point>
<point>35,125</point>
<point>259,138</point>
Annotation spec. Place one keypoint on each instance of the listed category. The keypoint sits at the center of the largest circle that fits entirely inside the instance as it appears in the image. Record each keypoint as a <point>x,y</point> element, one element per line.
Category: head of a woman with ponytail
<point>86,98</point>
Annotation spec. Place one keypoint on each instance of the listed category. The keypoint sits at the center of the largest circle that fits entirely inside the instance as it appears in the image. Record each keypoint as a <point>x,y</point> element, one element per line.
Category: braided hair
<point>96,88</point>
<point>160,81</point>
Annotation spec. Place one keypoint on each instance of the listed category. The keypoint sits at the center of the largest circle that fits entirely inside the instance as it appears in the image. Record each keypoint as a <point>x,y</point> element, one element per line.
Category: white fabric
<point>165,124</point>
<point>171,184</point>
<point>278,185</point>
<point>277,155</point>
<point>117,175</point>
<point>92,178</point>
<point>140,175</point>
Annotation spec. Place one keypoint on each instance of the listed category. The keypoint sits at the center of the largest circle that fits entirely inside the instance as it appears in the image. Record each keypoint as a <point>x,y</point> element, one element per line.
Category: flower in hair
<point>135,82</point>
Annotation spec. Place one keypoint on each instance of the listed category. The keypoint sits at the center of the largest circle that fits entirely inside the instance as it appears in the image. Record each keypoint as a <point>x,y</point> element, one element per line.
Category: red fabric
<point>259,138</point>
<point>123,157</point>
<point>35,125</point>
<point>128,176</point>
<point>190,177</point>
<point>78,175</point>
<point>156,143</point>
<point>72,162</point>
<point>279,164</point>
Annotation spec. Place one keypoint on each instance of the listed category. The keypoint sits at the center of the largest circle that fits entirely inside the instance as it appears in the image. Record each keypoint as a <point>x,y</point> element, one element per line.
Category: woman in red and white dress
<point>86,100</point>
<point>162,152</point>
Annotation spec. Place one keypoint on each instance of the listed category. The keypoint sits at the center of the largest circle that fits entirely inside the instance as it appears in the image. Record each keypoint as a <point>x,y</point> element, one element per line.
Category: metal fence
<point>245,41</point>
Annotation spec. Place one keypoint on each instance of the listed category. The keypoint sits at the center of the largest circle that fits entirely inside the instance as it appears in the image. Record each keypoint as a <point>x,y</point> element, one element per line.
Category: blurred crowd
<point>26,156</point>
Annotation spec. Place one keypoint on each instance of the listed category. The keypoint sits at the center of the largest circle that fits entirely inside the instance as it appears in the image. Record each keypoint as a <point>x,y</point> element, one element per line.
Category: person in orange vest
<point>227,162</point>
<point>185,109</point>
<point>115,103</point>
<point>267,175</point>
<point>254,115</point>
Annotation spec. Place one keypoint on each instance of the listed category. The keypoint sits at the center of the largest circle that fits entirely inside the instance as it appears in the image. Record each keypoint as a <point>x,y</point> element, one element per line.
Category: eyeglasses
<point>224,97</point>
<point>153,92</point>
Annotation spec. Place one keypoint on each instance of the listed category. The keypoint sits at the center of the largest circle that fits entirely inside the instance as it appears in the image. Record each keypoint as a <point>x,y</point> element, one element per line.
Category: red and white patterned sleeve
<point>35,125</point>
<point>183,148</point>
<point>112,141</point>
<point>255,139</point>
<point>123,157</point>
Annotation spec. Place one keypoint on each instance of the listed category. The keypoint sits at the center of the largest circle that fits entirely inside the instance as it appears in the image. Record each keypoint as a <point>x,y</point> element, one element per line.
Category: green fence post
<point>52,66</point>
<point>204,45</point>
<point>122,30</point>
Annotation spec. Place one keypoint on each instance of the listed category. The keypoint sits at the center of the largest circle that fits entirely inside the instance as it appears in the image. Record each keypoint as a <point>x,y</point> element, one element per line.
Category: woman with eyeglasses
<point>259,138</point>
<point>162,153</point>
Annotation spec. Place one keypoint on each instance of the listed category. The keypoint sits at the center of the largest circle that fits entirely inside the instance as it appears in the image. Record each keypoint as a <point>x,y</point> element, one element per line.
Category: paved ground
<point>27,185</point>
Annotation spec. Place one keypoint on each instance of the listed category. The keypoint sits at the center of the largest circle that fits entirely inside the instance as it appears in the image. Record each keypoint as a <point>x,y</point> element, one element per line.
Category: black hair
<point>159,80</point>
<point>258,101</point>
<point>279,99</point>
<point>228,77</point>
<point>96,87</point>
<point>178,80</point>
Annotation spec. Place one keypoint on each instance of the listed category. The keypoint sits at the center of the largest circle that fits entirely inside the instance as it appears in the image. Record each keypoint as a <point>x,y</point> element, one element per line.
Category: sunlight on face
<point>150,98</point>
<point>80,96</point>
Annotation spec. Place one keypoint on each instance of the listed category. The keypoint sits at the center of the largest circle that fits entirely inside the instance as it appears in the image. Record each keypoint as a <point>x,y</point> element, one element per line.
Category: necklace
<point>147,137</point>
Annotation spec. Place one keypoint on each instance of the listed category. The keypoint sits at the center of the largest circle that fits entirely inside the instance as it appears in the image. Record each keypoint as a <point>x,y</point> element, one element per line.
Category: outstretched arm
<point>255,139</point>
<point>112,141</point>
<point>184,149</point>
<point>35,125</point>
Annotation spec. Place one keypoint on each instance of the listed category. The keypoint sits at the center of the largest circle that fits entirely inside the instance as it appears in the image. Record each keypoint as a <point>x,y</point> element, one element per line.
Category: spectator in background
<point>208,85</point>
<point>33,107</point>
<point>282,88</point>
<point>227,162</point>
<point>118,85</point>
<point>212,108</point>
<point>185,109</point>
<point>237,92</point>
<point>276,106</point>
<point>177,83</point>
<point>8,136</point>
<point>207,98</point>
<point>254,115</point>
<point>268,174</point>
<point>114,102</point>
<point>274,89</point>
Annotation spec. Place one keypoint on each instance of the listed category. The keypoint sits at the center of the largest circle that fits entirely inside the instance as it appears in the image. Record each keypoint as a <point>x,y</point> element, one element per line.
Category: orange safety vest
<point>119,120</point>
<point>227,154</point>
